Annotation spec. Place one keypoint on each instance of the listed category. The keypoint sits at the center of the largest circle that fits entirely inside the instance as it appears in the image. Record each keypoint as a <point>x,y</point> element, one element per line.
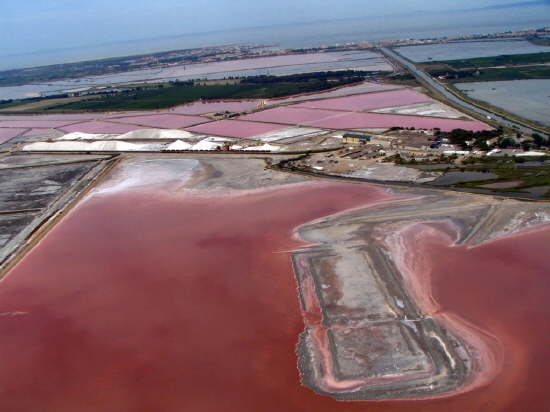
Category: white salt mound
<point>156,134</point>
<point>84,136</point>
<point>265,147</point>
<point>205,145</point>
<point>178,145</point>
<point>98,146</point>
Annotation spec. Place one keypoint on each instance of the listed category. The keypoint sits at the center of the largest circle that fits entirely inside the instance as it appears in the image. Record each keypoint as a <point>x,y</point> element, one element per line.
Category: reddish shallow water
<point>501,287</point>
<point>203,107</point>
<point>347,120</point>
<point>376,120</point>
<point>37,132</point>
<point>370,101</point>
<point>7,134</point>
<point>163,121</point>
<point>365,87</point>
<point>187,303</point>
<point>101,127</point>
<point>35,123</point>
<point>235,128</point>
<point>67,116</point>
<point>292,115</point>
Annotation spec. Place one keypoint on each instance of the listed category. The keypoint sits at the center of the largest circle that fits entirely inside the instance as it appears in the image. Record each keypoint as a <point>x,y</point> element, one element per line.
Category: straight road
<point>442,90</point>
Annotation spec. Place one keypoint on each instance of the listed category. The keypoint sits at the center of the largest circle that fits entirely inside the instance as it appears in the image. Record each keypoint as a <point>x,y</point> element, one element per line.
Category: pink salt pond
<point>22,123</point>
<point>292,115</point>
<point>37,132</point>
<point>375,120</point>
<point>235,128</point>
<point>369,101</point>
<point>101,127</point>
<point>203,107</point>
<point>66,117</point>
<point>365,87</point>
<point>163,121</point>
<point>7,134</point>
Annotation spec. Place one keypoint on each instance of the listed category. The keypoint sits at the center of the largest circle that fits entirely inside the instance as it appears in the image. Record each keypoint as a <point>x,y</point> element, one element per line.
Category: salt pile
<point>156,134</point>
<point>265,147</point>
<point>178,145</point>
<point>85,136</point>
<point>145,134</point>
<point>98,146</point>
<point>205,144</point>
<point>286,134</point>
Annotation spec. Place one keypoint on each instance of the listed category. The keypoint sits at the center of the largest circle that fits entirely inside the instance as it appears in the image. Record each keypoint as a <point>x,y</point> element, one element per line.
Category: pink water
<point>365,87</point>
<point>203,107</point>
<point>376,120</point>
<point>35,123</point>
<point>235,128</point>
<point>291,115</point>
<point>66,116</point>
<point>370,101</point>
<point>163,121</point>
<point>502,288</point>
<point>255,63</point>
<point>37,132</point>
<point>7,134</point>
<point>101,127</point>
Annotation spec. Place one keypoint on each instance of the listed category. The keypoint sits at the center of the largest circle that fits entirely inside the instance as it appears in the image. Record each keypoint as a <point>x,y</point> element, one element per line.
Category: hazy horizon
<point>64,31</point>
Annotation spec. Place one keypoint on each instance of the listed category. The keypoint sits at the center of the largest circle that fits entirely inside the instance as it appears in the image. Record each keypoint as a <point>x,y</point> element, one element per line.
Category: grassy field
<point>172,94</point>
<point>36,106</point>
<point>508,170</point>
<point>516,59</point>
<point>509,73</point>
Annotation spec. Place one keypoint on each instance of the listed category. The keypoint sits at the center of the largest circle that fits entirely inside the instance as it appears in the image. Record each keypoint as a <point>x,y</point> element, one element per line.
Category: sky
<point>31,26</point>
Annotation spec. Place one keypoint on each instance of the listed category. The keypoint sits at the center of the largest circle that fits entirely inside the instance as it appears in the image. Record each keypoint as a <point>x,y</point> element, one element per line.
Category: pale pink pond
<point>102,127</point>
<point>291,115</point>
<point>37,132</point>
<point>35,123</point>
<point>203,107</point>
<point>163,121</point>
<point>370,101</point>
<point>7,134</point>
<point>260,62</point>
<point>365,87</point>
<point>235,128</point>
<point>375,120</point>
<point>117,115</point>
<point>62,116</point>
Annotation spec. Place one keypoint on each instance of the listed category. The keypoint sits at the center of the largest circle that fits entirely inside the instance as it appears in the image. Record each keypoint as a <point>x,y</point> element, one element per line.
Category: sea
<point>421,25</point>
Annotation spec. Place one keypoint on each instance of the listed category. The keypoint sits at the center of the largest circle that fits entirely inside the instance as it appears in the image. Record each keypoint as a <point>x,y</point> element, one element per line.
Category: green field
<point>172,94</point>
<point>509,73</point>
<point>507,170</point>
<point>515,59</point>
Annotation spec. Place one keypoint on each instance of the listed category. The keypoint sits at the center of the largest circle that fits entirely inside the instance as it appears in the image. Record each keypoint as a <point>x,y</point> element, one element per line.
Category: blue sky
<point>35,25</point>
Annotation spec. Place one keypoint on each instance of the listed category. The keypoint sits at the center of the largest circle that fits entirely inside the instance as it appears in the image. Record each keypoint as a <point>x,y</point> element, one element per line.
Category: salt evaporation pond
<point>526,98</point>
<point>352,120</point>
<point>208,106</point>
<point>101,127</point>
<point>235,128</point>
<point>163,120</point>
<point>369,101</point>
<point>200,311</point>
<point>468,50</point>
<point>251,67</point>
<point>375,120</point>
<point>291,115</point>
<point>502,288</point>
<point>7,134</point>
<point>364,87</point>
<point>53,116</point>
<point>16,122</point>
